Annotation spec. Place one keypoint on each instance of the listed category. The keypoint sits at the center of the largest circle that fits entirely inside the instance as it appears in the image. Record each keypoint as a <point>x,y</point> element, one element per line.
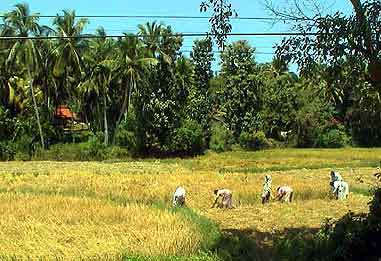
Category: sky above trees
<point>116,26</point>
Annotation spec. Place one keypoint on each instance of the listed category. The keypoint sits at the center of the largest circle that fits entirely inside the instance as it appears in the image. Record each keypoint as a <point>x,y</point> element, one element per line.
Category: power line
<point>167,17</point>
<point>219,52</point>
<point>135,35</point>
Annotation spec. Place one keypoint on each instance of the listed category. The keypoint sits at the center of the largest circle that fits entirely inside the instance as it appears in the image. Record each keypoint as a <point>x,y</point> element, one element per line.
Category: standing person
<point>284,193</point>
<point>179,197</point>
<point>227,198</point>
<point>266,193</point>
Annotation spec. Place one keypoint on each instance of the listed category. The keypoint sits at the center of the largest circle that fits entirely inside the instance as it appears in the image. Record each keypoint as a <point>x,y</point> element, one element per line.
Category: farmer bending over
<point>266,193</point>
<point>335,176</point>
<point>340,189</point>
<point>179,197</point>
<point>284,193</point>
<point>226,196</point>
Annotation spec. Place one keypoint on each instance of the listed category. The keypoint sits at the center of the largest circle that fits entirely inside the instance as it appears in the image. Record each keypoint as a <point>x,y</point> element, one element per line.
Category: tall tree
<point>69,50</point>
<point>200,100</point>
<point>241,100</point>
<point>100,74</point>
<point>133,60</point>
<point>25,51</point>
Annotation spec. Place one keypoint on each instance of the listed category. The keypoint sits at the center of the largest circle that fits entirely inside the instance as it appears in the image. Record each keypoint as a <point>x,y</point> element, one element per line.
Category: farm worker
<point>179,197</point>
<point>284,193</point>
<point>335,183</point>
<point>340,189</point>
<point>335,176</point>
<point>226,195</point>
<point>266,193</point>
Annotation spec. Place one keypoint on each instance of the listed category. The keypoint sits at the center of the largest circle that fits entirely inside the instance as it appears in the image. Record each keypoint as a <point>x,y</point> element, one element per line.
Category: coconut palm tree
<point>24,52</point>
<point>133,60</point>
<point>151,35</point>
<point>101,72</point>
<point>68,53</point>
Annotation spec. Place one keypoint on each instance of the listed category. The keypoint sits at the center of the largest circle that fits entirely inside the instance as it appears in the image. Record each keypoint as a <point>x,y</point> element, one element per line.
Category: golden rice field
<point>115,210</point>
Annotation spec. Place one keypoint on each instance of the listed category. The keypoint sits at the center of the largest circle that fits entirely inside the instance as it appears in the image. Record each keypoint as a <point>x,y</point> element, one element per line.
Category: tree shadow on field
<point>251,244</point>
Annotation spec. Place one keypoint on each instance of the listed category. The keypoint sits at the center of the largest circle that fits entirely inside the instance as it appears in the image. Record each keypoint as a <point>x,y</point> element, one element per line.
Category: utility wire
<point>167,17</point>
<point>88,36</point>
<point>219,52</point>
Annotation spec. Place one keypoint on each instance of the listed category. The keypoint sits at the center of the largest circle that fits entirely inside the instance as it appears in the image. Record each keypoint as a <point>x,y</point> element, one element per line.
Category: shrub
<point>221,138</point>
<point>127,139</point>
<point>187,140</point>
<point>333,136</point>
<point>7,151</point>
<point>333,139</point>
<point>253,140</point>
<point>96,149</point>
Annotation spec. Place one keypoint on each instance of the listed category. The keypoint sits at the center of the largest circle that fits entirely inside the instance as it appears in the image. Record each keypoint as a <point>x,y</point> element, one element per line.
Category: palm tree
<point>151,34</point>
<point>101,72</point>
<point>24,51</point>
<point>68,64</point>
<point>133,60</point>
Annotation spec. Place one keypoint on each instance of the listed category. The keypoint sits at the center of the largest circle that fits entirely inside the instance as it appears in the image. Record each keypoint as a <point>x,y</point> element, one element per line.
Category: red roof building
<point>63,112</point>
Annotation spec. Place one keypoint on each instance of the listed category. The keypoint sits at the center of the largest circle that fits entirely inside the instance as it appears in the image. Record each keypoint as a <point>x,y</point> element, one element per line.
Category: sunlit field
<point>116,210</point>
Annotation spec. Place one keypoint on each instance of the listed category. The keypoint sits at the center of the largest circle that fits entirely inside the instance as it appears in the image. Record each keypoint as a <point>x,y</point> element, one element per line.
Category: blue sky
<point>245,8</point>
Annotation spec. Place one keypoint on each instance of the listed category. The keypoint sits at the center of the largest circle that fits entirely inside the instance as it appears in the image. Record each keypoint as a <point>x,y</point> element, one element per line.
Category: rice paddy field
<point>122,210</point>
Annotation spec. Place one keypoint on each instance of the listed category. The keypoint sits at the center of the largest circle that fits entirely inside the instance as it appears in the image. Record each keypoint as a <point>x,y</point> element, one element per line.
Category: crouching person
<point>179,197</point>
<point>266,193</point>
<point>340,189</point>
<point>226,198</point>
<point>284,193</point>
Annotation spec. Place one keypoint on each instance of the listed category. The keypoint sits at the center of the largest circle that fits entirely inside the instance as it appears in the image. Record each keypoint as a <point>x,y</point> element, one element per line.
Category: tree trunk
<point>36,111</point>
<point>123,110</point>
<point>105,119</point>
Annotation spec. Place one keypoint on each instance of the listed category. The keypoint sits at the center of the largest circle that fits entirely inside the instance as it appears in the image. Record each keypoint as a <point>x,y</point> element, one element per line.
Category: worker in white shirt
<point>284,193</point>
<point>179,197</point>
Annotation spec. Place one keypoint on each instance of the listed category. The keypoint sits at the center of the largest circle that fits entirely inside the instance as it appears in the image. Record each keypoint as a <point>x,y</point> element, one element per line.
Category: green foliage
<point>97,148</point>
<point>353,237</point>
<point>93,150</point>
<point>200,103</point>
<point>241,99</point>
<point>7,151</point>
<point>126,136</point>
<point>221,138</point>
<point>187,140</point>
<point>333,138</point>
<point>254,140</point>
<point>279,101</point>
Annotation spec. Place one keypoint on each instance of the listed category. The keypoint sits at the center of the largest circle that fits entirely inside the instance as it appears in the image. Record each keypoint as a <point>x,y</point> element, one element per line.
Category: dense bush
<point>187,140</point>
<point>333,138</point>
<point>97,148</point>
<point>126,136</point>
<point>253,140</point>
<point>87,151</point>
<point>221,138</point>
<point>7,151</point>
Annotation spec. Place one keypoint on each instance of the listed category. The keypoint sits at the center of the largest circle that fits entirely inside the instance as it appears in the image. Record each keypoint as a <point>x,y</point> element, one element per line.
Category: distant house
<point>64,117</point>
<point>67,120</point>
